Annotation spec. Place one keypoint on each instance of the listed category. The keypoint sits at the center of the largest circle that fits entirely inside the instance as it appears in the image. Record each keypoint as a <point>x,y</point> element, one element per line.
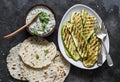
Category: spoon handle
<point>15,32</point>
<point>20,29</point>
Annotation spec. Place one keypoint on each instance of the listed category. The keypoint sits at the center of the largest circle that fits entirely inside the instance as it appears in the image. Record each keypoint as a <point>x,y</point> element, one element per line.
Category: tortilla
<point>57,71</point>
<point>63,67</point>
<point>37,52</point>
<point>46,74</point>
<point>13,63</point>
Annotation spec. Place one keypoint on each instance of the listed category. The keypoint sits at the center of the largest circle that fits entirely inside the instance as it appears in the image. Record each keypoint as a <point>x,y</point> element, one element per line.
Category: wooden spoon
<point>21,28</point>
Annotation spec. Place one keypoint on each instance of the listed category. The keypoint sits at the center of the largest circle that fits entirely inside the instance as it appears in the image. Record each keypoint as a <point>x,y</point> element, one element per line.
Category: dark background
<point>12,14</point>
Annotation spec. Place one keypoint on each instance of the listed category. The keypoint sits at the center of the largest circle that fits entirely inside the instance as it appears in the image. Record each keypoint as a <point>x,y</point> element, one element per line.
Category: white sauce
<point>37,25</point>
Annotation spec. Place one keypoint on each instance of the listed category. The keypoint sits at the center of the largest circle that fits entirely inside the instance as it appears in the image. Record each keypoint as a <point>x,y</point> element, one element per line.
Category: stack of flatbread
<point>37,60</point>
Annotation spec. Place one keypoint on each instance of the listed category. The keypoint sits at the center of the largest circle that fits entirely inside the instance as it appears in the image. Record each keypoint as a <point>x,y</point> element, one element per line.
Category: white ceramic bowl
<point>66,17</point>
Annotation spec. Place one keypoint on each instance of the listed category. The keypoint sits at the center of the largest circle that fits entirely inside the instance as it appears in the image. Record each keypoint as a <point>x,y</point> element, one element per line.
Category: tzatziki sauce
<point>44,23</point>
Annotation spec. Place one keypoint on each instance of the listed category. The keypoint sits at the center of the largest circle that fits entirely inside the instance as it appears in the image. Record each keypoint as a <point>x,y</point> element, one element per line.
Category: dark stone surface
<point>11,18</point>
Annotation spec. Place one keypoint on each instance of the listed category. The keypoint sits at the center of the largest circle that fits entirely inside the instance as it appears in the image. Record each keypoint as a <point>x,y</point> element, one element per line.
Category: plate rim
<point>59,36</point>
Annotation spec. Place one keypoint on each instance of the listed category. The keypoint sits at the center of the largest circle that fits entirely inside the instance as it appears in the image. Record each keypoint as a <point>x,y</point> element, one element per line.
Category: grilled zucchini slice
<point>69,43</point>
<point>94,48</point>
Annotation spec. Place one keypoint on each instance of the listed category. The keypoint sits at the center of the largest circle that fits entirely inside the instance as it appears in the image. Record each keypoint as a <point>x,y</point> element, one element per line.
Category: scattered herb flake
<point>37,56</point>
<point>46,52</point>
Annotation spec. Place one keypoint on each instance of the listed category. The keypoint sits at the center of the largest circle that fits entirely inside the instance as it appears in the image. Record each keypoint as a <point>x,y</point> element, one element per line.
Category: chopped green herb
<point>37,56</point>
<point>44,26</point>
<point>42,16</point>
<point>36,32</point>
<point>46,52</point>
<point>46,20</point>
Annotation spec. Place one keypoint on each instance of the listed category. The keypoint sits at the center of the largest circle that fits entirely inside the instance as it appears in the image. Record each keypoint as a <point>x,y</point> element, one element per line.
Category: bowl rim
<point>35,5</point>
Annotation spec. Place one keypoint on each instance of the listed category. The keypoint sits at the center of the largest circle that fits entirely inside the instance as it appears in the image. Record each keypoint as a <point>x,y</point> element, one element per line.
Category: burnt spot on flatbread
<point>13,68</point>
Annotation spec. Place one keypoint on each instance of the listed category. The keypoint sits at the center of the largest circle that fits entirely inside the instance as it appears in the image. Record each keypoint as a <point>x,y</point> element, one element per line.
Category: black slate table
<point>11,18</point>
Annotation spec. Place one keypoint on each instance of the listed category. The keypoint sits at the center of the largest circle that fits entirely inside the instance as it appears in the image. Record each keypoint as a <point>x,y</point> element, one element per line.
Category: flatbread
<point>13,63</point>
<point>57,71</point>
<point>46,74</point>
<point>63,67</point>
<point>37,52</point>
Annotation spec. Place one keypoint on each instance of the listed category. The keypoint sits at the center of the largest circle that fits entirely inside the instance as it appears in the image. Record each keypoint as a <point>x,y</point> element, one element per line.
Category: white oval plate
<point>66,17</point>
